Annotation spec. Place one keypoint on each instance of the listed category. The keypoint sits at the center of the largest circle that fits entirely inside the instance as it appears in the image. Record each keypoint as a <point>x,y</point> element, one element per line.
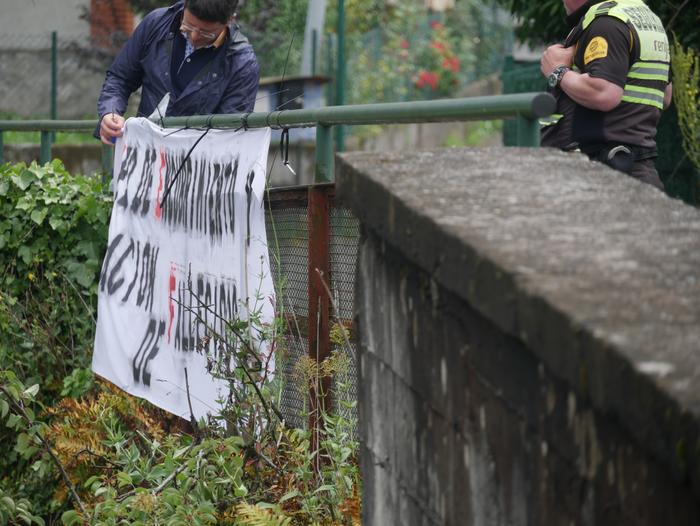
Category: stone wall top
<point>598,274</point>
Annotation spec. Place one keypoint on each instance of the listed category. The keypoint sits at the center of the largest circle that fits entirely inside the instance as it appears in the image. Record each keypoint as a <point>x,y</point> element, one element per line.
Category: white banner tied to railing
<point>173,275</point>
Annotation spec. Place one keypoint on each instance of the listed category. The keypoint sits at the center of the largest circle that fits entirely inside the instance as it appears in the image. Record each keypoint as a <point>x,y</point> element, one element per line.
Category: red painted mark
<point>159,211</point>
<point>172,284</point>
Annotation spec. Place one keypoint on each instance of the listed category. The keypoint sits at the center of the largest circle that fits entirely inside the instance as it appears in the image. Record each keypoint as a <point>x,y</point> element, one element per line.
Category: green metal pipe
<point>45,150</point>
<point>341,74</point>
<point>528,105</point>
<point>2,147</point>
<point>528,132</point>
<point>324,155</point>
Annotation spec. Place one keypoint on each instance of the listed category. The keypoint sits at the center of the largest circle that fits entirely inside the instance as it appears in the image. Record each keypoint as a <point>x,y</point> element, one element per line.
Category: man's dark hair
<point>219,11</point>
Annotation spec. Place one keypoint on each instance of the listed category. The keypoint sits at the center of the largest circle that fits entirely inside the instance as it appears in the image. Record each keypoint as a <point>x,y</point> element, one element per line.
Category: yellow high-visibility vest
<point>648,76</point>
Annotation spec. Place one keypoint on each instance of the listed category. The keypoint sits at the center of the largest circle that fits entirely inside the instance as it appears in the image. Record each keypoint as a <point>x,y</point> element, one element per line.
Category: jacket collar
<point>574,18</point>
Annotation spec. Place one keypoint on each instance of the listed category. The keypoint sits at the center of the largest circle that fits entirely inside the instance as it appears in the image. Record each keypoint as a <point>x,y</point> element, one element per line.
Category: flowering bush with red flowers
<point>438,65</point>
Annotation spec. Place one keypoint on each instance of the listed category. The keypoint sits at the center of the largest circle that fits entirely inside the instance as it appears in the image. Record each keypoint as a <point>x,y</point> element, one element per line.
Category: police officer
<point>611,80</point>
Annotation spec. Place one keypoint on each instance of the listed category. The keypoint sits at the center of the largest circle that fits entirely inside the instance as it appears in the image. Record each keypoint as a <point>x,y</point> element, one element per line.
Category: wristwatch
<point>556,75</point>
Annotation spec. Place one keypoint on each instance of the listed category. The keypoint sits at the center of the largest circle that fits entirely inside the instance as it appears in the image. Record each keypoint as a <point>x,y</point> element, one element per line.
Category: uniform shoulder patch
<point>596,48</point>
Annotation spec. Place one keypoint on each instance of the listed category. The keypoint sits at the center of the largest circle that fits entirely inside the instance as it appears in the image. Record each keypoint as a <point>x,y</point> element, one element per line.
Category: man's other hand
<point>556,55</point>
<point>111,127</point>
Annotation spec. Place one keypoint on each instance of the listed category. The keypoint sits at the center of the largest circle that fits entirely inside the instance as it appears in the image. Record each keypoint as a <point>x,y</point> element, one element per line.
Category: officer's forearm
<point>668,95</point>
<point>591,92</point>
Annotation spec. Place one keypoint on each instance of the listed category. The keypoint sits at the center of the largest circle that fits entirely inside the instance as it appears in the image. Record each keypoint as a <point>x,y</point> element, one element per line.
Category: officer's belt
<point>602,150</point>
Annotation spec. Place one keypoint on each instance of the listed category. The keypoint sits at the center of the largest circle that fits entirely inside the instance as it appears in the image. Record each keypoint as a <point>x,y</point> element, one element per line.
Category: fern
<point>261,515</point>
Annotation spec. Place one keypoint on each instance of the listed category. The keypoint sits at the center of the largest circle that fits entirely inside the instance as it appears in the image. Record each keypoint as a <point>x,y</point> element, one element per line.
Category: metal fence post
<point>319,306</point>
<point>527,132</point>
<point>340,74</point>
<point>2,146</point>
<point>314,51</point>
<point>107,162</point>
<point>324,154</point>
<point>45,150</point>
<point>54,79</point>
<point>330,70</point>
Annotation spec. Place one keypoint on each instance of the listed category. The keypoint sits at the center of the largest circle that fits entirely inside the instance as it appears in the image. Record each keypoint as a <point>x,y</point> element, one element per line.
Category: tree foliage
<point>274,28</point>
<point>686,95</point>
<point>544,21</point>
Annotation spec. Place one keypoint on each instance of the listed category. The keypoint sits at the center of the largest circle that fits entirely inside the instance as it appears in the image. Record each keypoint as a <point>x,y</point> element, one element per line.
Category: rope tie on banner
<point>244,122</point>
<point>184,161</point>
<point>284,149</point>
<point>279,115</point>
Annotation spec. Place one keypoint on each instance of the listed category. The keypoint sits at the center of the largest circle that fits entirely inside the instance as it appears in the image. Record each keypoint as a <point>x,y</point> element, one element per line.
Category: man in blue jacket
<point>192,50</point>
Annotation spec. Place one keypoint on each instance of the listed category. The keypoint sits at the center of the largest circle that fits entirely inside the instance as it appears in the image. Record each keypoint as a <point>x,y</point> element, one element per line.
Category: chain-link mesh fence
<point>405,52</point>
<point>26,73</point>
<point>345,233</point>
<point>288,238</point>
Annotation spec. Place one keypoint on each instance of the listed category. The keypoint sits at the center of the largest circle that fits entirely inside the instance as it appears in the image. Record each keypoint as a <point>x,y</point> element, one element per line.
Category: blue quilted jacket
<point>229,85</point>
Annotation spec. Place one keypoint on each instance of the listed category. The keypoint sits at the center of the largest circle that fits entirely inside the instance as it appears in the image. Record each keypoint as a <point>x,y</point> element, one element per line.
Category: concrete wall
<point>86,159</point>
<point>529,329</point>
<point>25,59</point>
<point>25,89</point>
<point>34,17</point>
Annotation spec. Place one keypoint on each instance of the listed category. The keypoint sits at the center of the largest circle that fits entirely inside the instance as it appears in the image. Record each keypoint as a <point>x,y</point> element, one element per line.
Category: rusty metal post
<point>319,303</point>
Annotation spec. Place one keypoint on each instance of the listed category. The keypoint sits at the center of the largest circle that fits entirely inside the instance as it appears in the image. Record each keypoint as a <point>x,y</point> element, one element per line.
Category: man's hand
<point>111,127</point>
<point>556,55</point>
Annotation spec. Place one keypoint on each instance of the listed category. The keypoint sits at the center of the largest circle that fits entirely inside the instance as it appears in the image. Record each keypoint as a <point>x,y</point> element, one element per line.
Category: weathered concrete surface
<point>529,330</point>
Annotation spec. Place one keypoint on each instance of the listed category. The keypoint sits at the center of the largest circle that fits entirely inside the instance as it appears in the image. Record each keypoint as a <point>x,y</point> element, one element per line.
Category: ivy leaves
<point>48,216</point>
<point>53,230</point>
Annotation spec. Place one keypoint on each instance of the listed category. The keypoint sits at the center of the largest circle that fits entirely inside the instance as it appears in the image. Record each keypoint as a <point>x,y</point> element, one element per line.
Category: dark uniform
<point>624,43</point>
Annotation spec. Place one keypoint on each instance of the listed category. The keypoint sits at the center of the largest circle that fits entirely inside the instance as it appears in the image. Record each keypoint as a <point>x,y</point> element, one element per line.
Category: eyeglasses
<point>186,28</point>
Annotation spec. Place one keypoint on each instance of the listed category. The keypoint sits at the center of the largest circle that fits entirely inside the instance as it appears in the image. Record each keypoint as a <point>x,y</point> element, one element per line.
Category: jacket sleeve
<point>125,74</point>
<point>242,89</point>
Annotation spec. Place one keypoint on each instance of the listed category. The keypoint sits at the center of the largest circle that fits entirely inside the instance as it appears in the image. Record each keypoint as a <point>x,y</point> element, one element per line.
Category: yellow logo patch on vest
<point>597,48</point>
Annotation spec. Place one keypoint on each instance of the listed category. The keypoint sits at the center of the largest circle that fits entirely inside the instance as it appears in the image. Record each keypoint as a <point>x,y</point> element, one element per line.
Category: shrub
<point>686,95</point>
<point>100,456</point>
<point>53,229</point>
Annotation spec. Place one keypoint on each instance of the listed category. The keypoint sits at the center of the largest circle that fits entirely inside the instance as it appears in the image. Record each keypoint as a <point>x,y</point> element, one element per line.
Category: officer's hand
<point>111,127</point>
<point>556,55</point>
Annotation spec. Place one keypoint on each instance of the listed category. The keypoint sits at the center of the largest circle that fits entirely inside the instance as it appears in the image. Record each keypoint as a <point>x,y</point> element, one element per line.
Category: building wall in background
<point>35,17</point>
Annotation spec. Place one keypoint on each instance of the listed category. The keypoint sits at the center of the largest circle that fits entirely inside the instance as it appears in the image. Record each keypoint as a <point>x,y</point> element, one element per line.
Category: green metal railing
<point>527,108</point>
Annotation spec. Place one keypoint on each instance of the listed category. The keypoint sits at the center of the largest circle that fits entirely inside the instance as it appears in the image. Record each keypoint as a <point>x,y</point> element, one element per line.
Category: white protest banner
<point>176,268</point>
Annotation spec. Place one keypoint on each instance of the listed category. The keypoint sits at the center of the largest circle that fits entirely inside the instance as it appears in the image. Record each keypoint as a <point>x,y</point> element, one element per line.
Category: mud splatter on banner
<point>176,269</point>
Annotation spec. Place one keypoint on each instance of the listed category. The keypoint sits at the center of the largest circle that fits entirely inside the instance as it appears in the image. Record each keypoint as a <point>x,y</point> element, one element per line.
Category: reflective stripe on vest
<point>653,65</point>
<point>649,71</point>
<point>551,120</point>
<point>642,95</point>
